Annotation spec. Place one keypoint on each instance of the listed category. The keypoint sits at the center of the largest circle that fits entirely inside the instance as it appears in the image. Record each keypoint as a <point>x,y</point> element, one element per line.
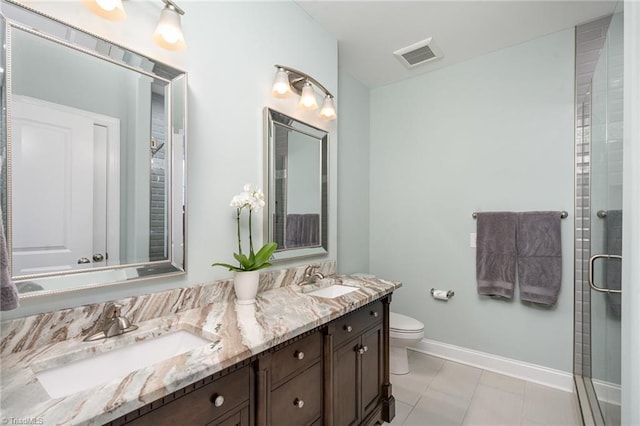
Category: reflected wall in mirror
<point>297,186</point>
<point>93,158</point>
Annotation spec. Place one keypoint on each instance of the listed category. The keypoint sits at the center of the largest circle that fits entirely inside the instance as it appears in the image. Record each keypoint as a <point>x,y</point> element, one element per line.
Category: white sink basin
<point>333,291</point>
<point>87,373</point>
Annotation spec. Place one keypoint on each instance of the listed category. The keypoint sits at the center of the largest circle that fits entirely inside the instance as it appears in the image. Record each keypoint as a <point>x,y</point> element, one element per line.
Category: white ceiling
<point>368,32</point>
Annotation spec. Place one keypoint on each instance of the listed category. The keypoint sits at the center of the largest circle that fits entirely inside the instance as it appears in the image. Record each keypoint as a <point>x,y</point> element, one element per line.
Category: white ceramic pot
<point>245,284</point>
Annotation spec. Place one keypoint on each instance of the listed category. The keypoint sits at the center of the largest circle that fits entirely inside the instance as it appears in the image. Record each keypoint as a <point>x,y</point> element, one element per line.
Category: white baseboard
<point>510,367</point>
<point>607,392</point>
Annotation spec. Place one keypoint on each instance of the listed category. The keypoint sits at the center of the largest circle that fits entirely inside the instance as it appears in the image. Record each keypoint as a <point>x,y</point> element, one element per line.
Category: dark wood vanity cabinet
<point>358,367</point>
<point>289,383</point>
<point>223,399</point>
<point>335,375</point>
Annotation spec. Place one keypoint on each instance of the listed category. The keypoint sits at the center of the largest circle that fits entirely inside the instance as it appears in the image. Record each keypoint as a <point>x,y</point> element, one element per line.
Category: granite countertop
<point>236,332</point>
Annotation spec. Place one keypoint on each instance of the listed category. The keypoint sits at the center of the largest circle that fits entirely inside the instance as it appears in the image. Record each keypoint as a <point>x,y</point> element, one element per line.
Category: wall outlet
<point>472,239</point>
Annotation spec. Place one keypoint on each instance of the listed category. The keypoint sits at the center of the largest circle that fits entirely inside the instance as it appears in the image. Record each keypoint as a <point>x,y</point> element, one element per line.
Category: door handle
<point>592,261</point>
<point>83,260</point>
<point>98,257</point>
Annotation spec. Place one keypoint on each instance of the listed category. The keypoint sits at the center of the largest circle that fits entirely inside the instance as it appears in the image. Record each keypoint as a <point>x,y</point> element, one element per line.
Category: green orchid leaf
<point>226,265</point>
<point>264,265</point>
<point>265,253</point>
<point>245,263</point>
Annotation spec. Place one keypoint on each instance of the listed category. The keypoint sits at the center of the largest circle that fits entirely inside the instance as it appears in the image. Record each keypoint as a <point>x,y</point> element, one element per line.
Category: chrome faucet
<point>111,323</point>
<point>311,275</point>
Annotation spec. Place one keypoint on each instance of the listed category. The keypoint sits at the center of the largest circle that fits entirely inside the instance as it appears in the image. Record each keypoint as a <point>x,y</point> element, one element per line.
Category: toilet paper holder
<point>442,294</point>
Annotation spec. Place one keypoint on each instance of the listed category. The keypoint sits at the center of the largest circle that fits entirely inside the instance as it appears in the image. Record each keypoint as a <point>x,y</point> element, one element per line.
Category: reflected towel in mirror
<point>303,230</point>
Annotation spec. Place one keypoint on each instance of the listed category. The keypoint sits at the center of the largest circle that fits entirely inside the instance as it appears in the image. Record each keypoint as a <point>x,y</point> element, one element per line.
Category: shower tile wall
<point>157,246</point>
<point>590,38</point>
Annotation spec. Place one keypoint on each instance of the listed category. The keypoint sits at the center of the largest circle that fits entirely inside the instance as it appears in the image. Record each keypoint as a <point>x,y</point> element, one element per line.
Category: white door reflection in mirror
<point>64,162</point>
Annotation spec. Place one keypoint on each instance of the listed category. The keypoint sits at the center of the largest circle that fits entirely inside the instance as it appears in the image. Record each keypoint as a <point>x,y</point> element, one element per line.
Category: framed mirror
<point>296,175</point>
<point>92,158</point>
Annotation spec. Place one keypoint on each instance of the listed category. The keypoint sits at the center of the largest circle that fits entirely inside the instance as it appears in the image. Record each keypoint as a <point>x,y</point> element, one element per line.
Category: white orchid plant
<point>252,199</point>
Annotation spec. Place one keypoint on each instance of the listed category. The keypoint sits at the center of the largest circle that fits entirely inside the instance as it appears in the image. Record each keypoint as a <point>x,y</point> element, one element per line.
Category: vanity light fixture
<point>281,88</point>
<point>168,33</point>
<point>289,80</point>
<point>107,9</point>
<point>308,99</point>
<point>328,110</point>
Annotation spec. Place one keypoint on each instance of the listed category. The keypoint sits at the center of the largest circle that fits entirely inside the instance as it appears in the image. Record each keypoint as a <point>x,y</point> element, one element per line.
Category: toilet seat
<point>402,324</point>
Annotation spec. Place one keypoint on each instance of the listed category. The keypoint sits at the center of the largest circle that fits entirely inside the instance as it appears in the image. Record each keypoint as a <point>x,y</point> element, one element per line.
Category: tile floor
<point>439,392</point>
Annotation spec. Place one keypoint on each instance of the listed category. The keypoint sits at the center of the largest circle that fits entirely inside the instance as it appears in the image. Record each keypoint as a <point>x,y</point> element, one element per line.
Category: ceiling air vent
<point>418,53</point>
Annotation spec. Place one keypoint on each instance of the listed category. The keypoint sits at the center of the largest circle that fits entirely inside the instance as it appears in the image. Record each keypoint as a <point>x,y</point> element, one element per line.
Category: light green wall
<point>353,174</point>
<point>303,169</point>
<point>491,133</point>
<point>631,207</point>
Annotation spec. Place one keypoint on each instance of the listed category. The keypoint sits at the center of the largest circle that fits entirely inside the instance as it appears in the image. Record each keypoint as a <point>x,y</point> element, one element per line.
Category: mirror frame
<point>21,17</point>
<point>273,118</point>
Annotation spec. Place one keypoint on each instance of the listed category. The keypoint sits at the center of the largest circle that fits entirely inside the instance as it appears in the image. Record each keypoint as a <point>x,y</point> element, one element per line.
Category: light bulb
<point>168,33</point>
<point>308,99</point>
<point>107,9</point>
<point>281,87</point>
<point>328,110</point>
<point>109,4</point>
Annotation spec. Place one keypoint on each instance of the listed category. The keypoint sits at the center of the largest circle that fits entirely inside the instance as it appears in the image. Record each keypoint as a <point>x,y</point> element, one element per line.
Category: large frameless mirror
<point>92,156</point>
<point>297,186</point>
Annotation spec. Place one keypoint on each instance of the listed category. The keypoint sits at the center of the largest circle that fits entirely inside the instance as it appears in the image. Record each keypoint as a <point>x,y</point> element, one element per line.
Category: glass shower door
<point>606,222</point>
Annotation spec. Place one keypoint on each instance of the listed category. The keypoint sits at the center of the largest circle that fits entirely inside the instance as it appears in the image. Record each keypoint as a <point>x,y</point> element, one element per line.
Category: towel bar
<point>563,215</point>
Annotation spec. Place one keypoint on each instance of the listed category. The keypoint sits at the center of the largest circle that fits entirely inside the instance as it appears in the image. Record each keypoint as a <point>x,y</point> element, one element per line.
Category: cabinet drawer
<point>295,357</point>
<point>199,407</point>
<point>298,401</point>
<point>356,322</point>
<point>236,418</point>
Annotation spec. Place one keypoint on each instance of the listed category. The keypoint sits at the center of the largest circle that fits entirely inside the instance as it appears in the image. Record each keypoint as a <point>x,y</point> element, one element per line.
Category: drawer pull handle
<point>348,328</point>
<point>298,403</point>
<point>374,314</point>
<point>217,400</point>
<point>299,355</point>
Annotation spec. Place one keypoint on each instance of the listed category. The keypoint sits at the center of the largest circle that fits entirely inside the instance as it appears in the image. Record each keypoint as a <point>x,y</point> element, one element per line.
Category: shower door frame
<point>587,397</point>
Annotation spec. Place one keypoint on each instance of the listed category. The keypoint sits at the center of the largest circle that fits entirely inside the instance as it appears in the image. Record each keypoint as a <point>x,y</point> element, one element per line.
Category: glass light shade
<point>328,110</point>
<point>308,99</point>
<point>281,87</point>
<point>168,33</point>
<point>107,9</point>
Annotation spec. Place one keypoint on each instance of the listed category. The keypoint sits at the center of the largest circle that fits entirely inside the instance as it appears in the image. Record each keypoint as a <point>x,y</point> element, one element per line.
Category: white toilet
<point>404,331</point>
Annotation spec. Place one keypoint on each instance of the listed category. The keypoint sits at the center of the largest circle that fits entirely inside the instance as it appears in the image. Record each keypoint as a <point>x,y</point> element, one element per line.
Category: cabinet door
<point>372,368</point>
<point>346,384</point>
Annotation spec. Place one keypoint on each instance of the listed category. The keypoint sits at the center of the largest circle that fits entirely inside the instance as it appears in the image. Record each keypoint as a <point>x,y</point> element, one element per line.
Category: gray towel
<point>614,266</point>
<point>8,292</point>
<point>303,230</point>
<point>539,256</point>
<point>496,253</point>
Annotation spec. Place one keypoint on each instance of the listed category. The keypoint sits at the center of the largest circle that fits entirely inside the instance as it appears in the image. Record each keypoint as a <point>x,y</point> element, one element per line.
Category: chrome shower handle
<point>592,261</point>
